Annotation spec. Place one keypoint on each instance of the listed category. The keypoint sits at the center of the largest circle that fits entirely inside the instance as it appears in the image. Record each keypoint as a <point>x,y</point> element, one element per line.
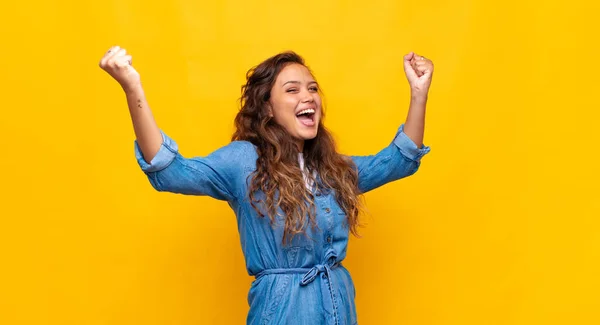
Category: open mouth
<point>306,117</point>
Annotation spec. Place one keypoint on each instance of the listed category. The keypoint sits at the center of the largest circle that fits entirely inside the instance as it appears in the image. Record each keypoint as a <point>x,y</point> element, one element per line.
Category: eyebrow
<point>297,82</point>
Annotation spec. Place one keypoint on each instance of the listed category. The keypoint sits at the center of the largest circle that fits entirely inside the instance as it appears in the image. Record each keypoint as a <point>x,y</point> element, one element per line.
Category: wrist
<point>133,89</point>
<point>417,96</point>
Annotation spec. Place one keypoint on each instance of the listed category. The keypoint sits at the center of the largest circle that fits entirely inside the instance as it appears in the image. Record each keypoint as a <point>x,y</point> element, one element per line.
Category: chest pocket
<point>337,213</point>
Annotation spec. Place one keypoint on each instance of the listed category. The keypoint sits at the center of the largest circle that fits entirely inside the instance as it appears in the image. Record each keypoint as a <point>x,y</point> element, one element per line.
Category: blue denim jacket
<point>298,283</point>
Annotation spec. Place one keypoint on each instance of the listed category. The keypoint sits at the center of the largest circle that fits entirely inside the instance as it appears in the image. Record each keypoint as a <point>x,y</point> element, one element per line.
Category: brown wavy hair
<point>278,173</point>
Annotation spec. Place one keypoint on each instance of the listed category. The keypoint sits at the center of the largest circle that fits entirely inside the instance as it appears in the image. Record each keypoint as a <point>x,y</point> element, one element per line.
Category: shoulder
<point>237,154</point>
<point>241,149</point>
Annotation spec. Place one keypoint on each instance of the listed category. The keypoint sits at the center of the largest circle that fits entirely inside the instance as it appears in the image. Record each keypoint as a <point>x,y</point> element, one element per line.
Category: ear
<point>269,109</point>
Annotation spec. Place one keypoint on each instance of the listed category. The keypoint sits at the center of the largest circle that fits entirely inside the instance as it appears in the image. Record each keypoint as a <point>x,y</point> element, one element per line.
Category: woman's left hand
<point>419,71</point>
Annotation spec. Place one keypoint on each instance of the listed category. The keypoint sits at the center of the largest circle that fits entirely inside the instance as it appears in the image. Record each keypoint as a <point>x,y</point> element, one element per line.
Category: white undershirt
<point>307,181</point>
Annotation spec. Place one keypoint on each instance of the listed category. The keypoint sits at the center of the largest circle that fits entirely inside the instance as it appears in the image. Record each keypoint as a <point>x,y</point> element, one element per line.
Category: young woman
<point>295,197</point>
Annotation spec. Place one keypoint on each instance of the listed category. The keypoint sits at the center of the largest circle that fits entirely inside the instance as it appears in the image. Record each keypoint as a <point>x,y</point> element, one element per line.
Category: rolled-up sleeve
<point>401,158</point>
<point>408,147</point>
<point>167,152</point>
<point>218,175</point>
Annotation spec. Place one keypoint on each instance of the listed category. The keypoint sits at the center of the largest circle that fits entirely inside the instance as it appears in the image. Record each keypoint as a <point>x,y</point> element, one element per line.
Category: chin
<point>308,134</point>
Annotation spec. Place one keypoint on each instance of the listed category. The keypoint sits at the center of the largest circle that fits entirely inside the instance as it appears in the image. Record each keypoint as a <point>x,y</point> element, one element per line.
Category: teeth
<point>306,111</point>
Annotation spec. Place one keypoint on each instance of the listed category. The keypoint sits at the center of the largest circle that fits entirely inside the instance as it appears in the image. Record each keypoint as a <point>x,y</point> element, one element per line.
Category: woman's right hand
<point>118,64</point>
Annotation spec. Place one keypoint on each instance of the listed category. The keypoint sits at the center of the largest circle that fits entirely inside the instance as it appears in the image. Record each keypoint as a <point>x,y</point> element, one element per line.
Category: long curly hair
<point>278,173</point>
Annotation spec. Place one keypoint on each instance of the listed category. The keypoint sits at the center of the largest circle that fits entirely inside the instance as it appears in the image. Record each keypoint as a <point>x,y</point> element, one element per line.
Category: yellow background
<point>500,226</point>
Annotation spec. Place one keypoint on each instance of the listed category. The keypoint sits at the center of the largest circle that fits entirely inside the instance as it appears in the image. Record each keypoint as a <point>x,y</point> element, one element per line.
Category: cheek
<point>285,107</point>
<point>278,104</point>
<point>286,118</point>
<point>318,103</point>
<point>284,114</point>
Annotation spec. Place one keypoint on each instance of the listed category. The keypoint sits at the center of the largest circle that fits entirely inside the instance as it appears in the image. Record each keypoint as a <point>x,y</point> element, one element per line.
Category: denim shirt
<point>302,282</point>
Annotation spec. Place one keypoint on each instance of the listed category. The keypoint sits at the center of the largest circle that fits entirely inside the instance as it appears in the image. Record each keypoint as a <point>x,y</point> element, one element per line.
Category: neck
<point>300,145</point>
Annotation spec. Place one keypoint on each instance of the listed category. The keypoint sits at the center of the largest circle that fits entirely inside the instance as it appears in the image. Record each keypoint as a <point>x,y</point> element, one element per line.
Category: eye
<point>291,90</point>
<point>314,88</point>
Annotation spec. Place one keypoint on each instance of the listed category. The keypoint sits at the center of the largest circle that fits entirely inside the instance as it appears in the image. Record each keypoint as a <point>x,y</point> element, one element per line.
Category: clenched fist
<point>418,71</point>
<point>117,63</point>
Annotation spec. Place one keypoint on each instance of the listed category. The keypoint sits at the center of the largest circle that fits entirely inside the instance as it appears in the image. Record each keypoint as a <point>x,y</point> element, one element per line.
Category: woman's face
<point>295,102</point>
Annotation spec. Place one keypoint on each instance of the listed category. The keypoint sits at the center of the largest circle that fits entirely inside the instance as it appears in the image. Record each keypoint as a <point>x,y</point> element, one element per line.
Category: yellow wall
<point>500,226</point>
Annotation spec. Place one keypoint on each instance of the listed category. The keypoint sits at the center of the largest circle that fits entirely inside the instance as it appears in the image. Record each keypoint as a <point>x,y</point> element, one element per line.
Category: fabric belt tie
<point>310,274</point>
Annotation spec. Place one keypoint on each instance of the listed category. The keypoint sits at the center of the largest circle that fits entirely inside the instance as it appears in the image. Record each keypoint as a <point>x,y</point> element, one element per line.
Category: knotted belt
<point>310,274</point>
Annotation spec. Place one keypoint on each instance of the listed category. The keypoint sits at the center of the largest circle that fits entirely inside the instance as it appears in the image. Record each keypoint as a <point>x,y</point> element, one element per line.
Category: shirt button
<point>318,193</point>
<point>327,210</point>
<point>329,239</point>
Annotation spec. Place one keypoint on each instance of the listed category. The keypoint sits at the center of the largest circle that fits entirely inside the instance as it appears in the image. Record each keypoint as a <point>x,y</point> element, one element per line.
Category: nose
<point>307,97</point>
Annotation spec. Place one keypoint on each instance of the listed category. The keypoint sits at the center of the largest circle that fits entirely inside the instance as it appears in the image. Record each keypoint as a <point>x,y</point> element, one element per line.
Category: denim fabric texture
<point>303,282</point>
